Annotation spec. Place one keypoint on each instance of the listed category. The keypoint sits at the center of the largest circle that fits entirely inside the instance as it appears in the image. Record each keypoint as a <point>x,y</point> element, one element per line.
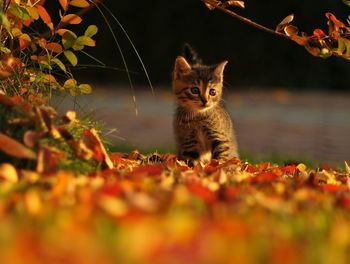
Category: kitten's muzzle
<point>204,101</point>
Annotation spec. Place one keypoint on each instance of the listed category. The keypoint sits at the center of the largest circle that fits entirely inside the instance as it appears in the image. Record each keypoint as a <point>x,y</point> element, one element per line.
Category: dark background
<point>159,28</point>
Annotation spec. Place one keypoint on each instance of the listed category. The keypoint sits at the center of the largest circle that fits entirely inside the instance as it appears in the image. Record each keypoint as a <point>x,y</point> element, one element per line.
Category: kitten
<point>203,128</point>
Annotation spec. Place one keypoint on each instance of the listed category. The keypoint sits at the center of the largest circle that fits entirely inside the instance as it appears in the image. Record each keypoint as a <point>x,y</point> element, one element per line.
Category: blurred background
<point>285,102</point>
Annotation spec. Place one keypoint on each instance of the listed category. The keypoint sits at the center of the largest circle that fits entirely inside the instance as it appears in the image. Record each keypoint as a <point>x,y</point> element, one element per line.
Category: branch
<point>216,5</point>
<point>319,44</point>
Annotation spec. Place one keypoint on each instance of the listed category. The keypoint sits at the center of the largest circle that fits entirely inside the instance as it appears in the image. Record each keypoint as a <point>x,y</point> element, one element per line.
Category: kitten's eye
<point>195,90</point>
<point>212,92</point>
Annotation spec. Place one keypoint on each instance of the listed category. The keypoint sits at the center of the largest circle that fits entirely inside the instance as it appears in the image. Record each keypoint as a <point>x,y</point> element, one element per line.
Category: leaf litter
<point>135,208</point>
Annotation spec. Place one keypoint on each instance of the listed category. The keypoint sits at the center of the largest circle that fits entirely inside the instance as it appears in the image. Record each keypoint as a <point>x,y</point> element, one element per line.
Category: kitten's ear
<point>181,65</point>
<point>219,69</point>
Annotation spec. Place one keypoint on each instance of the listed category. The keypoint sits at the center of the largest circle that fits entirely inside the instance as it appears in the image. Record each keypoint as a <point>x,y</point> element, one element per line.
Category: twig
<point>245,20</point>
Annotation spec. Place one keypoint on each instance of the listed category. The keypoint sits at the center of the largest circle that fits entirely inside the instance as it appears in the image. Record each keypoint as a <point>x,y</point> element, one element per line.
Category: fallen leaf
<point>8,173</point>
<point>15,149</point>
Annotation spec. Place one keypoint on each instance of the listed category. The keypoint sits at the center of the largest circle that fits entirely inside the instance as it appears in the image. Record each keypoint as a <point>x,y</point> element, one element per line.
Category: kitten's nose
<point>204,101</point>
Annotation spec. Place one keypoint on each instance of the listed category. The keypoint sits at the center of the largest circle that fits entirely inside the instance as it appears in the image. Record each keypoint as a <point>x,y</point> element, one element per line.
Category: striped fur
<point>203,128</point>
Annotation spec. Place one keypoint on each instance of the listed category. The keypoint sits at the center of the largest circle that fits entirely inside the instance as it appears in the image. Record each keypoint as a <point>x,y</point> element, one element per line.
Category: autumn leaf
<point>15,149</point>
<point>64,4</point>
<point>71,19</point>
<point>8,173</point>
<point>54,47</point>
<point>93,142</point>
<point>71,57</point>
<point>45,17</point>
<point>285,22</point>
<point>79,3</point>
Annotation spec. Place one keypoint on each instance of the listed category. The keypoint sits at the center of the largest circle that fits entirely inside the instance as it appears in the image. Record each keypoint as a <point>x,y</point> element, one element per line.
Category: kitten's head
<point>197,87</point>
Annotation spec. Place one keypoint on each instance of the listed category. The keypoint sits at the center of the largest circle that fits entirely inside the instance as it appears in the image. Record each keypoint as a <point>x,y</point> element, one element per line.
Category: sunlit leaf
<point>5,50</point>
<point>33,202</point>
<point>44,15</point>
<point>211,4</point>
<point>91,31</point>
<point>5,22</point>
<point>71,19</point>
<point>59,64</point>
<point>291,30</point>
<point>68,39</point>
<point>8,173</point>
<point>285,22</point>
<point>79,3</point>
<point>83,41</point>
<point>71,57</point>
<point>54,47</point>
<point>70,84</point>
<point>85,88</point>
<point>15,149</point>
<point>19,11</point>
<point>347,2</point>
<point>33,12</point>
<point>64,4</point>
<point>233,3</point>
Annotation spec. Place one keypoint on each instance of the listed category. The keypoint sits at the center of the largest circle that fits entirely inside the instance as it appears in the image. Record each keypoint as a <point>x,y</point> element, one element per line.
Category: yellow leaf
<point>33,202</point>
<point>113,206</point>
<point>301,167</point>
<point>8,173</point>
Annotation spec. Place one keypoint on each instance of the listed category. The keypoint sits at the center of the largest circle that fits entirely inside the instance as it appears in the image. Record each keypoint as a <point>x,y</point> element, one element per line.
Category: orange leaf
<point>54,47</point>
<point>318,33</point>
<point>45,17</point>
<point>202,192</point>
<point>64,4</point>
<point>43,14</point>
<point>93,142</point>
<point>22,44</point>
<point>71,19</point>
<point>264,177</point>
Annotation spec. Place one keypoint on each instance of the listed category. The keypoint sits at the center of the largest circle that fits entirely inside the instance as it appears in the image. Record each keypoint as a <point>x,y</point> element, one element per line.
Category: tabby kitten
<point>203,128</point>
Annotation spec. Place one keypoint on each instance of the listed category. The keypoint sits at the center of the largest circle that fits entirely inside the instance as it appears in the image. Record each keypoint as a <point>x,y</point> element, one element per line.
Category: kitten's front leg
<point>221,150</point>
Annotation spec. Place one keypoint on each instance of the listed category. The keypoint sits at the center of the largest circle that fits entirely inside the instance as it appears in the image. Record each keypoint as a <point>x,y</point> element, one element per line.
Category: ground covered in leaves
<point>155,209</point>
<point>65,199</point>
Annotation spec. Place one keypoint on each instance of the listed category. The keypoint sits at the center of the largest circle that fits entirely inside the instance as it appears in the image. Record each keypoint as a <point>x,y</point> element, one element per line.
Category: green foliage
<point>30,60</point>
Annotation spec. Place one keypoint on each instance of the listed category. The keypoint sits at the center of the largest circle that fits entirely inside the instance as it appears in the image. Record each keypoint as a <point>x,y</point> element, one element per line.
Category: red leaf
<point>289,169</point>
<point>112,189</point>
<point>336,23</point>
<point>263,166</point>
<point>211,167</point>
<point>145,171</point>
<point>231,193</point>
<point>318,33</point>
<point>250,169</point>
<point>334,188</point>
<point>345,201</point>
<point>198,190</point>
<point>93,142</point>
<point>264,177</point>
